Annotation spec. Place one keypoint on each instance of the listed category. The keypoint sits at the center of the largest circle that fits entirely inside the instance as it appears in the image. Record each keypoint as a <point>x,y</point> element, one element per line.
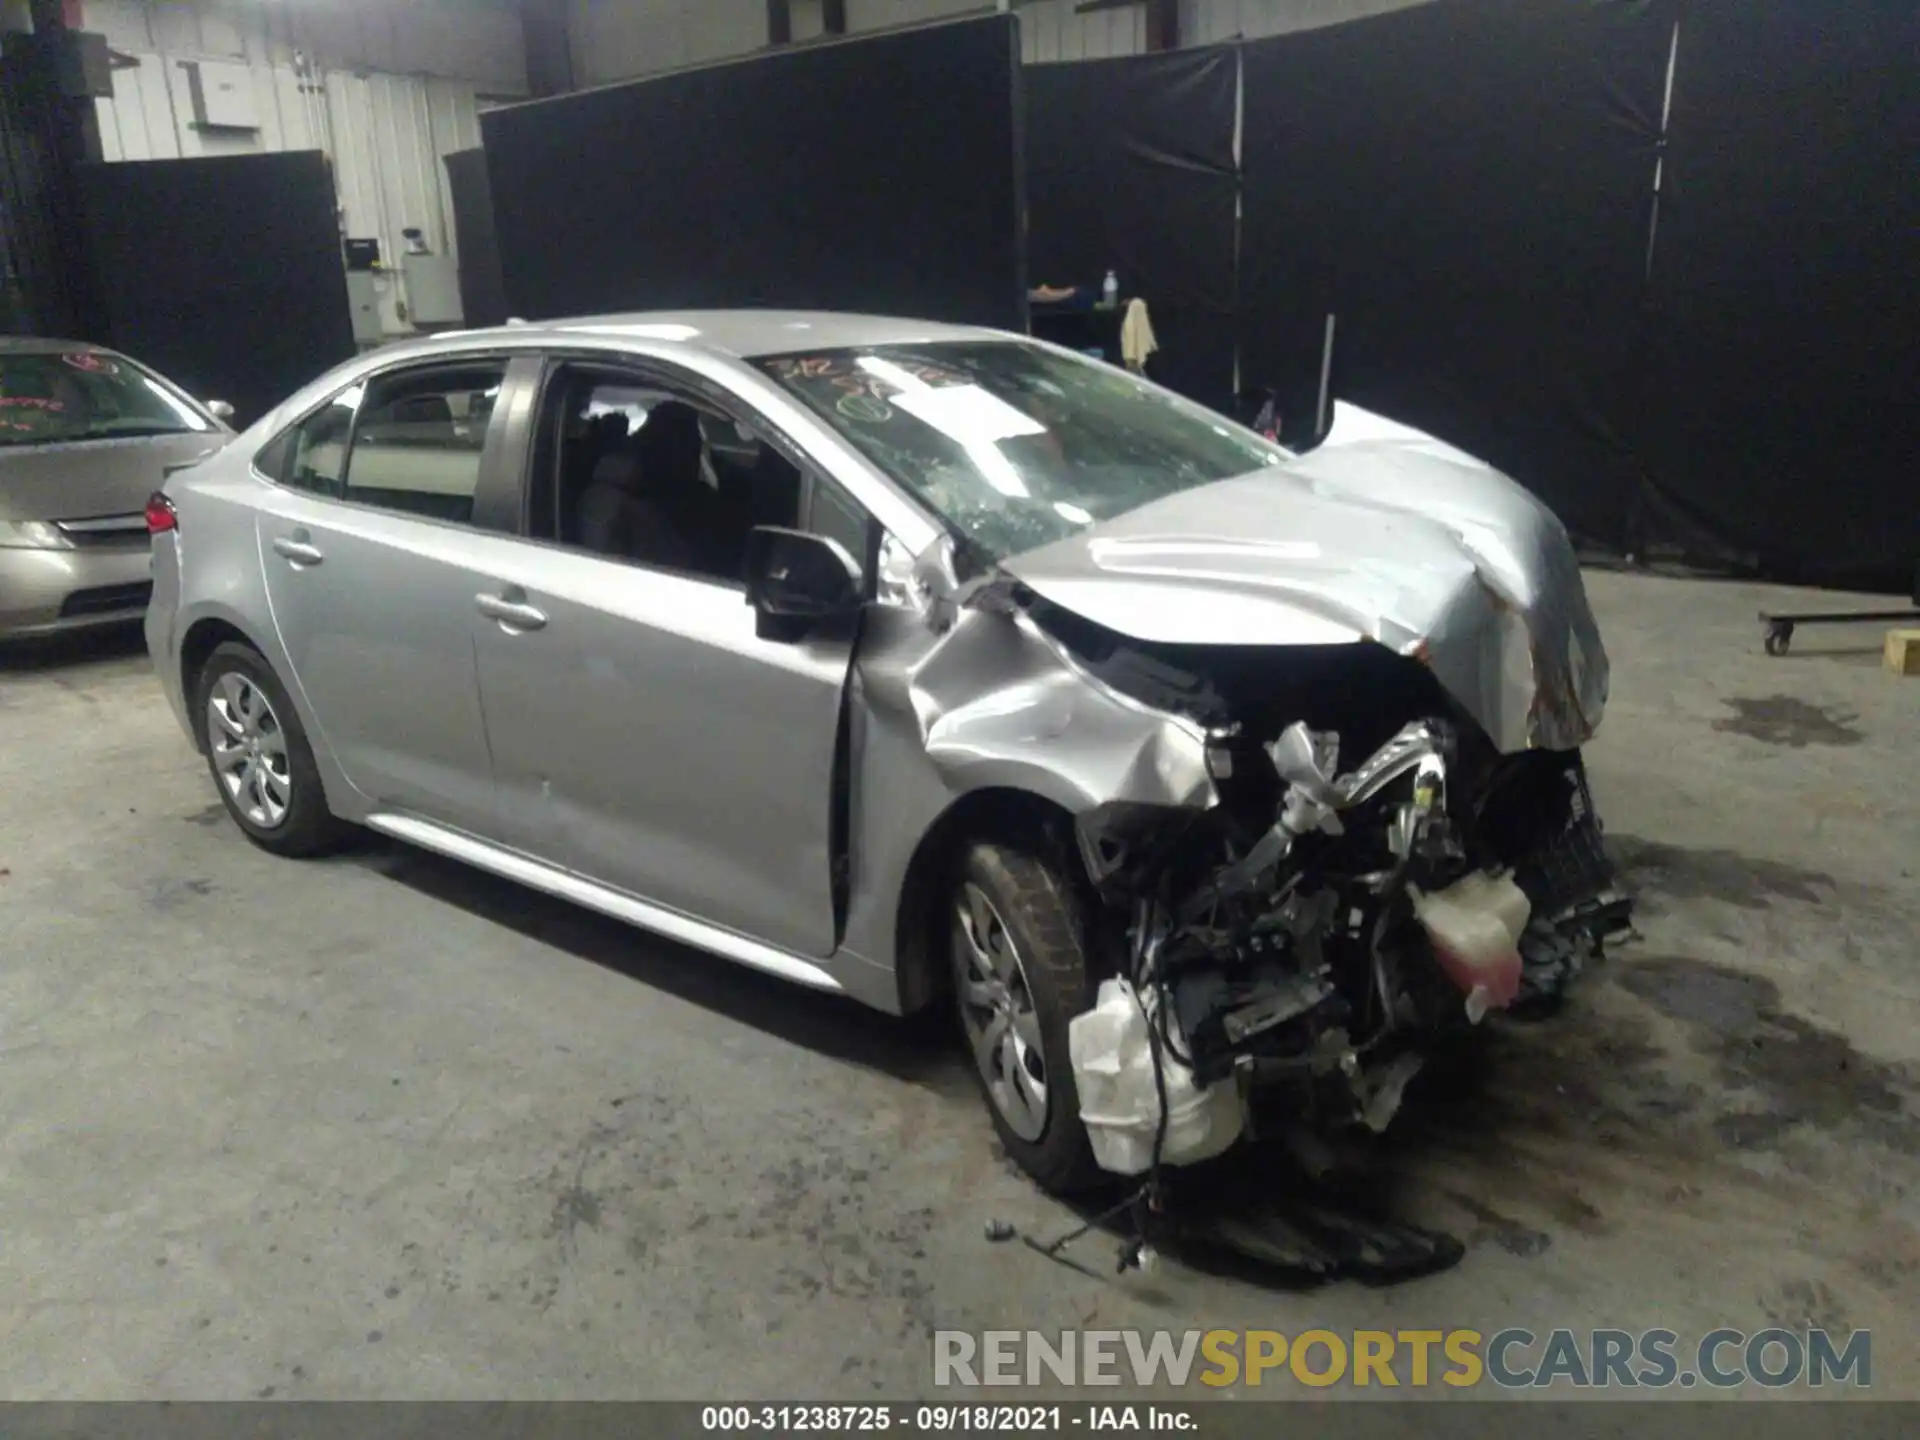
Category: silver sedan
<point>85,436</point>
<point>921,663</point>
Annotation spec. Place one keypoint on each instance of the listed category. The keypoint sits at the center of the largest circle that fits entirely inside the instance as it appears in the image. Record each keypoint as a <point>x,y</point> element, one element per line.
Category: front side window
<point>70,397</point>
<point>653,472</point>
<point>1013,445</point>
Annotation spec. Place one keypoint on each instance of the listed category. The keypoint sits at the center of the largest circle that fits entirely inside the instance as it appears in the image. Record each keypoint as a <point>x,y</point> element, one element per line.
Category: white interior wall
<point>878,14</point>
<point>1049,29</point>
<point>1207,22</point>
<point>621,39</point>
<point>384,132</point>
<point>481,41</point>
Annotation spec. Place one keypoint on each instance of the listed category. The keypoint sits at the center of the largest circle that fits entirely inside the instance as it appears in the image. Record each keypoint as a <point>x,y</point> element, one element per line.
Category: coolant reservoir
<point>1113,1066</point>
<point>1475,926</point>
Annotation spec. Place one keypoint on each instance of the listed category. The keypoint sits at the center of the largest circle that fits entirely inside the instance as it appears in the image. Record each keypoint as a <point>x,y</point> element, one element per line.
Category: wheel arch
<point>205,635</point>
<point>1004,813</point>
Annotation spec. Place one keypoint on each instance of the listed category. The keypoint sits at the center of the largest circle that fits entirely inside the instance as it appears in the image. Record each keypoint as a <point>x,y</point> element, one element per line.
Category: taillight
<point>161,516</point>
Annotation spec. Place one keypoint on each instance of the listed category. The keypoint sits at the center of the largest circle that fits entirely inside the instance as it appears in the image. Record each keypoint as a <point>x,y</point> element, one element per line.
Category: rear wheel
<point>1020,975</point>
<point>259,757</point>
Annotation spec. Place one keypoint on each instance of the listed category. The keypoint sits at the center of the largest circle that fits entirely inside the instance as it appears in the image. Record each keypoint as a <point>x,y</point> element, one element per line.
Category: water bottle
<point>1110,292</point>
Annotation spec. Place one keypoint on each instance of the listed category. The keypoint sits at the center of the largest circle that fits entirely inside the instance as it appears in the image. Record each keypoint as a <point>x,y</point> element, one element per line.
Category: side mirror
<point>220,410</point>
<point>796,580</point>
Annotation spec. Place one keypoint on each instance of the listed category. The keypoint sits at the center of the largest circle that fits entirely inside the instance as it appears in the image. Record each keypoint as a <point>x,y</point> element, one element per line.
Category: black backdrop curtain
<point>1130,167</point>
<point>1467,186</point>
<point>40,289</point>
<point>224,274</point>
<point>879,174</point>
<point>1777,409</point>
<point>483,291</point>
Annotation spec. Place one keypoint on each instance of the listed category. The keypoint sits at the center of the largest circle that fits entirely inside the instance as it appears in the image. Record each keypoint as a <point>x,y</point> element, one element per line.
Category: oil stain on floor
<point>1790,721</point>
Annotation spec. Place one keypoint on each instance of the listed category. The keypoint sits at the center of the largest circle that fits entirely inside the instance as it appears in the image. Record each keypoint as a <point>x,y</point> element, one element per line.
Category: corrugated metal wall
<point>151,114</point>
<point>476,40</point>
<point>1049,29</point>
<point>384,131</point>
<point>389,132</point>
<point>1206,22</point>
<point>620,39</point>
<point>1052,31</point>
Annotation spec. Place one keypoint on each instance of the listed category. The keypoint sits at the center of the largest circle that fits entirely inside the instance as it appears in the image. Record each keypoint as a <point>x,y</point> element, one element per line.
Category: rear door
<point>376,547</point>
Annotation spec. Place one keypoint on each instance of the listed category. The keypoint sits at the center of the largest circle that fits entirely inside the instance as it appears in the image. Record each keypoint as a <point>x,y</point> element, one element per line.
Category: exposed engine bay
<point>1375,874</point>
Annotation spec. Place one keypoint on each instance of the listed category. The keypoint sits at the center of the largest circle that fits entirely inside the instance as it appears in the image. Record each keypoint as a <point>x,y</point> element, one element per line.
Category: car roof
<point>41,345</point>
<point>743,334</point>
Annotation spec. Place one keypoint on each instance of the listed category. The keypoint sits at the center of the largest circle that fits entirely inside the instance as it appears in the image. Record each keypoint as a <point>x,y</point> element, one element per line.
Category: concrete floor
<point>381,1127</point>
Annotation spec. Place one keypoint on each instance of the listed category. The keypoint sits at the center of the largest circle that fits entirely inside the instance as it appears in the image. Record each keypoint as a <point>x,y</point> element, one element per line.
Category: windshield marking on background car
<point>81,397</point>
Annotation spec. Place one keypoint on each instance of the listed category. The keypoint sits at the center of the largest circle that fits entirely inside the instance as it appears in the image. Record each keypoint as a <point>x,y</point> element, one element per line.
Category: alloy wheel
<point>996,1010</point>
<point>249,750</point>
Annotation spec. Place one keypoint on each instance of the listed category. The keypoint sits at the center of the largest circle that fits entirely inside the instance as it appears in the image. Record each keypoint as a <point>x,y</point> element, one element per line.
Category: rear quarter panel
<point>217,577</point>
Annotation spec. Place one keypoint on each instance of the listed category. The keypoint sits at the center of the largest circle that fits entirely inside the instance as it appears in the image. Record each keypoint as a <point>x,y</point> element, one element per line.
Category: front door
<point>373,569</point>
<point>675,756</point>
<point>678,757</point>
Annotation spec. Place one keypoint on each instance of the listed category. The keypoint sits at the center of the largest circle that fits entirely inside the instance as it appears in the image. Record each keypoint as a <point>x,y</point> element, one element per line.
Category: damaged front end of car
<point>1318,730</point>
<point>1311,863</point>
<point>1328,921</point>
<point>1369,874</point>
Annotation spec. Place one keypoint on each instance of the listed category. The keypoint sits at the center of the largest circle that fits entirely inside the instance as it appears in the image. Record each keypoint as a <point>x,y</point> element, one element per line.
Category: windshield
<point>1016,446</point>
<point>60,398</point>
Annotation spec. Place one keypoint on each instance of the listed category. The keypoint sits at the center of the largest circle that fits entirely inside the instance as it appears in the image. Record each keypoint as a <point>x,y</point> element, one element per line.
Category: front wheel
<point>1020,976</point>
<point>258,753</point>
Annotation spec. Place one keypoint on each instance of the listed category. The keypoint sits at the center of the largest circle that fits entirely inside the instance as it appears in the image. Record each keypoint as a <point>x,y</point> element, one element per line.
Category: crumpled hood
<point>1383,534</point>
<point>102,477</point>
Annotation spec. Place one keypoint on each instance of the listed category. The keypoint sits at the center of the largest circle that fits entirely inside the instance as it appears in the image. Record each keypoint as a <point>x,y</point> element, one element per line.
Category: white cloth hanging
<point>1137,340</point>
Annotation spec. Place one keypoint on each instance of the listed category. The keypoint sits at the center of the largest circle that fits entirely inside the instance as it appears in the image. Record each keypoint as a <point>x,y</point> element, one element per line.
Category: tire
<point>285,812</point>
<point>1036,910</point>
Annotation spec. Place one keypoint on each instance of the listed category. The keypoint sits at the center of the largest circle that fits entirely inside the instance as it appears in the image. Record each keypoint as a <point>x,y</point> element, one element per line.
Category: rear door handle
<point>513,614</point>
<point>298,551</point>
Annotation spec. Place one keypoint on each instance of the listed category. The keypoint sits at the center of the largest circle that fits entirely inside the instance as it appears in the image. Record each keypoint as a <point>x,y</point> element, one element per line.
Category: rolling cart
<point>1780,627</point>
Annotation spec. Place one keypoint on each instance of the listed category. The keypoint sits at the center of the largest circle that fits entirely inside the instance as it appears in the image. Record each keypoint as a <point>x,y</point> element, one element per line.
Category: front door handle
<point>514,614</point>
<point>298,551</point>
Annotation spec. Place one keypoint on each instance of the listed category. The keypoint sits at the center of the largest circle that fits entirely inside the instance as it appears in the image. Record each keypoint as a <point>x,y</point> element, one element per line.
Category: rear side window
<point>412,442</point>
<point>272,460</point>
<point>313,455</point>
<point>420,438</point>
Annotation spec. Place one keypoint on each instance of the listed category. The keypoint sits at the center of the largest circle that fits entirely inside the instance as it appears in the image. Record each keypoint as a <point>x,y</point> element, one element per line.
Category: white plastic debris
<point>1475,926</point>
<point>1113,1068</point>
